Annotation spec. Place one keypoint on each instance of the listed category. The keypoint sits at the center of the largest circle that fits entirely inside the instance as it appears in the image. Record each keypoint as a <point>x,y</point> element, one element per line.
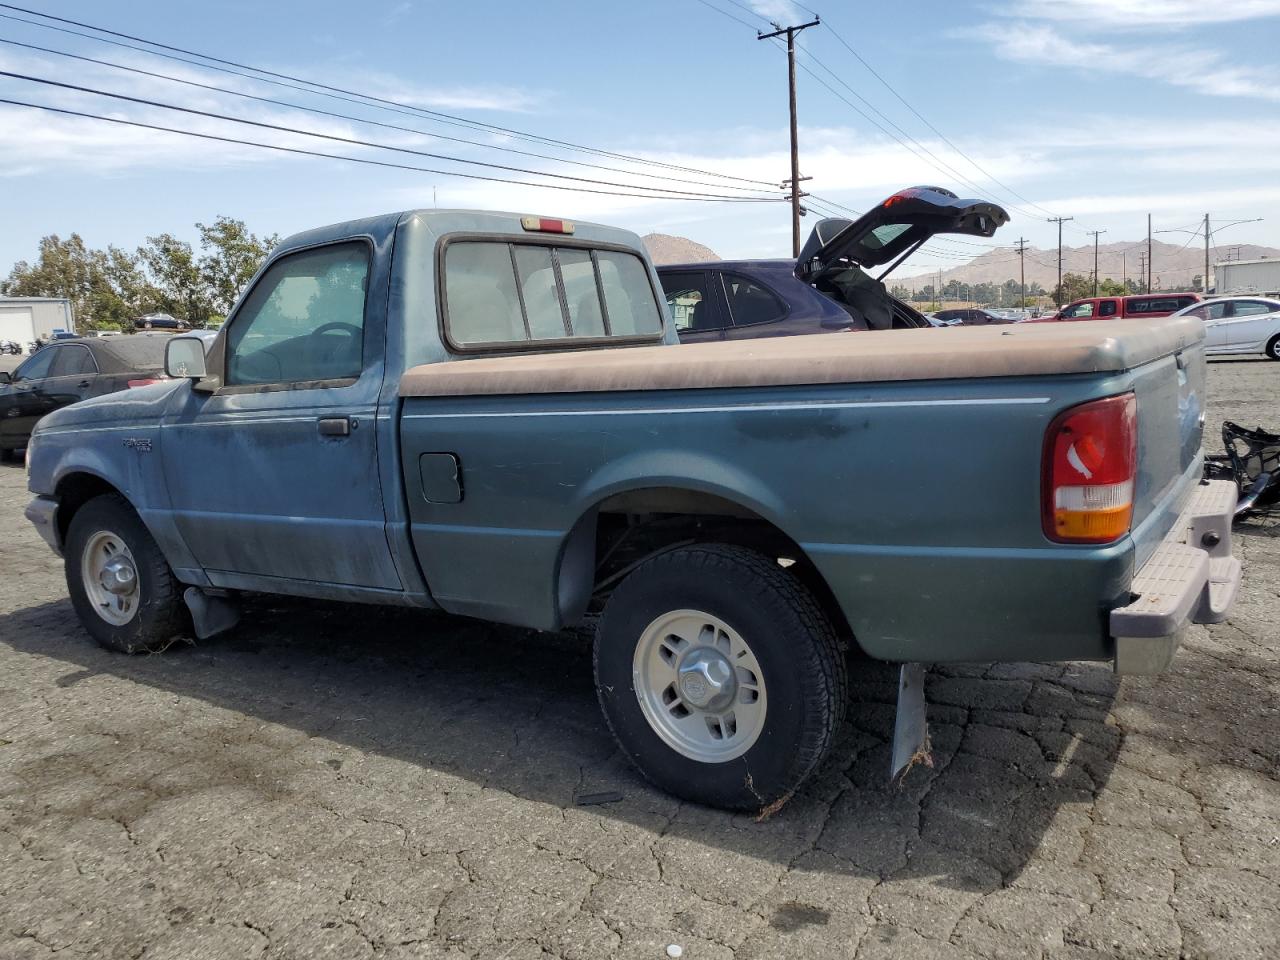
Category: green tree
<point>65,268</point>
<point>1074,287</point>
<point>173,270</point>
<point>232,255</point>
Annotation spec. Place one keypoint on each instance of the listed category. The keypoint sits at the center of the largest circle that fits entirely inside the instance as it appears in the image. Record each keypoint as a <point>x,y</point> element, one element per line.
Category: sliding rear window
<point>511,294</point>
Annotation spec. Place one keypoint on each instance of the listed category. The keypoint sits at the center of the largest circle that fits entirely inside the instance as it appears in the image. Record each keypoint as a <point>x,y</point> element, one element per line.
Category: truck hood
<point>132,406</point>
<point>889,229</point>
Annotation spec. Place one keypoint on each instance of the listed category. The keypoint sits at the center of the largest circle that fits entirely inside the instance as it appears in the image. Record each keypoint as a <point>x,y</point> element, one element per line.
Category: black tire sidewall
<point>763,618</point>
<point>1273,348</point>
<point>156,621</point>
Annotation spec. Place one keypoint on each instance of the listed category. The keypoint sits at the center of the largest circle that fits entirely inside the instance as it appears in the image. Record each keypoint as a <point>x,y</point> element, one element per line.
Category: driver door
<point>20,403</point>
<point>274,476</point>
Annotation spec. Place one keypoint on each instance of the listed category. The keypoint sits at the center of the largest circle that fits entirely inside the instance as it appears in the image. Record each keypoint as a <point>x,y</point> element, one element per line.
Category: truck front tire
<point>720,676</point>
<point>120,583</point>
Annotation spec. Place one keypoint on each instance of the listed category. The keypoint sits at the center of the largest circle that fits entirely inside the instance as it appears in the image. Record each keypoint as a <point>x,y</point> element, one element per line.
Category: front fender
<point>124,458</point>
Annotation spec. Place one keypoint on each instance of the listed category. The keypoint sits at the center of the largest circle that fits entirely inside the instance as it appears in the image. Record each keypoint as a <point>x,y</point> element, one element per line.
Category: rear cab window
<point>500,293</point>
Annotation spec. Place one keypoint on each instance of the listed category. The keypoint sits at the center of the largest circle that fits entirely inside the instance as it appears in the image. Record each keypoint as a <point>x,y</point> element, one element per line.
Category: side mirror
<point>184,358</point>
<point>5,377</point>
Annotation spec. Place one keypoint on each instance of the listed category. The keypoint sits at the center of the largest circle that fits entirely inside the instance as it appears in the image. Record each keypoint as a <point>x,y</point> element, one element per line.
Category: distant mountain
<point>667,249</point>
<point>1174,265</point>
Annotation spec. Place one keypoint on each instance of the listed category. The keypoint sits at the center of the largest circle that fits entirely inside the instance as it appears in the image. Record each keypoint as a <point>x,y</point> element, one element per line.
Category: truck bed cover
<point>890,355</point>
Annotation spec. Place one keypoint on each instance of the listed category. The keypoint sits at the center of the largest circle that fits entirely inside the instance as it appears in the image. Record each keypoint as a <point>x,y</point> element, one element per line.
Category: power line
<point>726,13</point>
<point>872,70</point>
<point>348,159</point>
<point>906,140</point>
<point>910,143</point>
<point>343,116</point>
<point>363,143</point>
<point>325,90</point>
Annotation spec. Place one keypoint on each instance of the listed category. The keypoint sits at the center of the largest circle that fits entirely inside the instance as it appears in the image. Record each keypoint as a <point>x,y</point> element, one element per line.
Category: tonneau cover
<point>1012,350</point>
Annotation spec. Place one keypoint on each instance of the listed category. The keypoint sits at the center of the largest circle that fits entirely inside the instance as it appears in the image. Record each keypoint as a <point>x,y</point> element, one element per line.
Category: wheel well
<point>633,526</point>
<point>73,492</point>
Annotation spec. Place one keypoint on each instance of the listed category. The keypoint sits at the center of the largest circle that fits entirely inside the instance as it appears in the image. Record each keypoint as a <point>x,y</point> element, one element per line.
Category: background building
<point>24,319</point>
<point>1247,276</point>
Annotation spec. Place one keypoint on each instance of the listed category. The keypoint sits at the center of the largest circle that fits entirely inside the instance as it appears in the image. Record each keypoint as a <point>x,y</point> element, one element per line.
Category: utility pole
<point>1148,252</point>
<point>1124,270</point>
<point>1207,230</point>
<point>1057,294</point>
<point>1204,284</point>
<point>1022,270</point>
<point>795,145</point>
<point>1095,234</point>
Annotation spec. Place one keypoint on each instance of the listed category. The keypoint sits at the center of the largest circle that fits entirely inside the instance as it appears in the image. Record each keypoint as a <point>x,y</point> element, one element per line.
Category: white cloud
<point>502,99</point>
<point>783,12</point>
<point>1204,71</point>
<point>846,165</point>
<point>1146,13</point>
<point>1187,203</point>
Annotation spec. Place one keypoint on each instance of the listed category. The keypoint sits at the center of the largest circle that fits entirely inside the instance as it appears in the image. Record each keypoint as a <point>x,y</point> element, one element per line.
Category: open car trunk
<point>838,252</point>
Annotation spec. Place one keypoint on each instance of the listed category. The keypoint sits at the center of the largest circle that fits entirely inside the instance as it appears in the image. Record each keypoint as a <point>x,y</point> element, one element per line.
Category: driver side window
<point>36,367</point>
<point>304,320</point>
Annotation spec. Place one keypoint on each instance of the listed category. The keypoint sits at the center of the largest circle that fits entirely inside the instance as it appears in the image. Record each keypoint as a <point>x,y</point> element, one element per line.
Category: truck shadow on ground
<point>1018,750</point>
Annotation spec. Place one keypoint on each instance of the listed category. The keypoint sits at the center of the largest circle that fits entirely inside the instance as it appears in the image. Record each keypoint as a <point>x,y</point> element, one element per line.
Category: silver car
<point>1239,325</point>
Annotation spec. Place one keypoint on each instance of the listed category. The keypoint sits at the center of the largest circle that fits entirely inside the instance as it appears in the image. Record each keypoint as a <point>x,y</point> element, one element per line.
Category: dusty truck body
<point>489,415</point>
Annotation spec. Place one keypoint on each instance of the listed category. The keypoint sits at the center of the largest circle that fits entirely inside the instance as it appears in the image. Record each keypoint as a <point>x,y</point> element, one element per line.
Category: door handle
<point>84,383</point>
<point>335,426</point>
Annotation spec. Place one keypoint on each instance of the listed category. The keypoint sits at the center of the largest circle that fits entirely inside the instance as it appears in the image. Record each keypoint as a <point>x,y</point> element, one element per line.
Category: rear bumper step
<point>1191,578</point>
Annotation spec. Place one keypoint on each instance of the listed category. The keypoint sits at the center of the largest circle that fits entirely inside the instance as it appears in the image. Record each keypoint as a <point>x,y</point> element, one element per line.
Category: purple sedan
<point>829,288</point>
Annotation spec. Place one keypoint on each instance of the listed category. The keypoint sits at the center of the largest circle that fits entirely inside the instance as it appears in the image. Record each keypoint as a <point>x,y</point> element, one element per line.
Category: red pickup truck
<point>1143,306</point>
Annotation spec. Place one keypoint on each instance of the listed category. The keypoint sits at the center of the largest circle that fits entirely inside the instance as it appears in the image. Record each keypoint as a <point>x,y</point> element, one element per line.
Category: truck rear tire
<point>720,676</point>
<point>121,585</point>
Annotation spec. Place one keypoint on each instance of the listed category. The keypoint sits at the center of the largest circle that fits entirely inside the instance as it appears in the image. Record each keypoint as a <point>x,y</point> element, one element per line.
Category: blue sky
<point>1103,110</point>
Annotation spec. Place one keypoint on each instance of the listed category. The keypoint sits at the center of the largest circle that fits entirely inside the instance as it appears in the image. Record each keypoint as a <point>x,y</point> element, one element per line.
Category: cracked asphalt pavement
<point>351,782</point>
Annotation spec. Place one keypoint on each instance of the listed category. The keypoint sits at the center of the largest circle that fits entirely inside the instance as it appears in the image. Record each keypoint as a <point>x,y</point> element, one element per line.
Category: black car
<point>160,321</point>
<point>827,289</point>
<point>971,317</point>
<point>70,370</point>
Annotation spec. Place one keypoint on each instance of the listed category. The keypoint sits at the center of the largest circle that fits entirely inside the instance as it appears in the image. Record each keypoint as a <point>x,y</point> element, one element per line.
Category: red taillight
<point>545,225</point>
<point>900,196</point>
<point>1090,461</point>
<point>143,383</point>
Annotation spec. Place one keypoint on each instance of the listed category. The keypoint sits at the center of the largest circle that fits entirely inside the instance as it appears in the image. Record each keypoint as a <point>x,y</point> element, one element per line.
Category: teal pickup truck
<point>489,414</point>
